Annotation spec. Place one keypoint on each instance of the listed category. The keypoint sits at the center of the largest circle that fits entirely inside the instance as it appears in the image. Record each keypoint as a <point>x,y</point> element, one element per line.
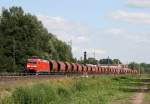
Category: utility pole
<point>94,53</point>
<point>70,43</point>
<point>139,69</point>
<point>118,63</point>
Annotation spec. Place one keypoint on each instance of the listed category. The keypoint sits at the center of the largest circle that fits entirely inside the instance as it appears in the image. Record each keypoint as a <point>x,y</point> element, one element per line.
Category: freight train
<point>37,65</point>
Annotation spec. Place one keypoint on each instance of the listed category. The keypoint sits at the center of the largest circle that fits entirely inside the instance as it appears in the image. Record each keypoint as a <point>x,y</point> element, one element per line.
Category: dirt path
<point>139,96</point>
<point>138,99</point>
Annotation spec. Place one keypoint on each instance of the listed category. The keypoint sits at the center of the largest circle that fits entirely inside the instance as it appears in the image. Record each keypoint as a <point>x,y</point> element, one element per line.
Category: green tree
<point>22,35</point>
<point>133,65</point>
<point>143,67</point>
<point>61,50</point>
<point>92,60</point>
<point>116,61</point>
<point>106,61</point>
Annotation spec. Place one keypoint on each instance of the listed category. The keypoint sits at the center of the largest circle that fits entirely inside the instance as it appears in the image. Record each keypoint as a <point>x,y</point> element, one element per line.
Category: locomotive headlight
<point>28,66</point>
<point>31,66</point>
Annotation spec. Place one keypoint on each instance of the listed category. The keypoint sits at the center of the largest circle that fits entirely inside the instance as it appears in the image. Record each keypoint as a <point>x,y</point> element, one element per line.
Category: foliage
<point>143,67</point>
<point>91,90</point>
<point>133,65</point>
<point>91,60</point>
<point>106,61</point>
<point>22,35</point>
<point>62,49</point>
<point>110,61</point>
<point>116,61</point>
<point>147,96</point>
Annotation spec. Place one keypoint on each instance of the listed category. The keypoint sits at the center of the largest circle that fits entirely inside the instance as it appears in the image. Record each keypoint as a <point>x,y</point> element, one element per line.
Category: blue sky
<point>114,28</point>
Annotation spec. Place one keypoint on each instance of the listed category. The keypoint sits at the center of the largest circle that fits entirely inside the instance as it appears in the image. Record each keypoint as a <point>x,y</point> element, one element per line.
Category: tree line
<point>22,35</point>
<point>106,61</point>
<point>142,67</point>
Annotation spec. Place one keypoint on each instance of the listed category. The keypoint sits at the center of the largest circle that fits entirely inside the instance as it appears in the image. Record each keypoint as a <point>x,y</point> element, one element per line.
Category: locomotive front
<point>36,65</point>
<point>32,65</point>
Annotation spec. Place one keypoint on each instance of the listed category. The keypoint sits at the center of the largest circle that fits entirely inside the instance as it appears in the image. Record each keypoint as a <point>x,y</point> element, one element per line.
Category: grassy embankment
<point>147,94</point>
<point>147,97</point>
<point>91,90</point>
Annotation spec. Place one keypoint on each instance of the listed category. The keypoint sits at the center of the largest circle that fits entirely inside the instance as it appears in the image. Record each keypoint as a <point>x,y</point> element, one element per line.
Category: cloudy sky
<point>114,28</point>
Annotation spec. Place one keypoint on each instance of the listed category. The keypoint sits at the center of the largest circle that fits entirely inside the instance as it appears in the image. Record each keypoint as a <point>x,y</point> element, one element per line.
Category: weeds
<point>92,90</point>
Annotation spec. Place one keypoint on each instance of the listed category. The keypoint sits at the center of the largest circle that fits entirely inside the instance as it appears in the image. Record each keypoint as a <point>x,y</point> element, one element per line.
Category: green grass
<point>91,90</point>
<point>147,95</point>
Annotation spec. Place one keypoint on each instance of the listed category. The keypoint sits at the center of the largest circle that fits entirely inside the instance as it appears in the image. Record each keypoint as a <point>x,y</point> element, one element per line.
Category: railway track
<point>23,76</point>
<point>10,78</point>
<point>29,76</point>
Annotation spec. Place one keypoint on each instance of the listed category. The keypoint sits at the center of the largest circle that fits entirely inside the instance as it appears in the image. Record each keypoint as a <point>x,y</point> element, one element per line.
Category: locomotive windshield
<point>31,62</point>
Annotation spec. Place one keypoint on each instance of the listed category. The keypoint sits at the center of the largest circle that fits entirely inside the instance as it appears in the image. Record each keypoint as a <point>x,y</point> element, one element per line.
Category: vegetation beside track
<point>147,94</point>
<point>83,90</point>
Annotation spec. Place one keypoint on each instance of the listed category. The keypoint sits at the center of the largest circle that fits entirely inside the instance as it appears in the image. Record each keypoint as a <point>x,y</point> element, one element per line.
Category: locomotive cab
<point>31,66</point>
<point>37,65</point>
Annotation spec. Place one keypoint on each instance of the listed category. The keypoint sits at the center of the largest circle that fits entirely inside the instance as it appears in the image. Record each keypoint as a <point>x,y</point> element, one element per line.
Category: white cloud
<point>81,39</point>
<point>96,51</point>
<point>114,42</point>
<point>79,34</point>
<point>135,17</point>
<point>115,31</point>
<point>132,36</point>
<point>0,12</point>
<point>139,3</point>
<point>66,30</point>
<point>140,38</point>
<point>90,52</point>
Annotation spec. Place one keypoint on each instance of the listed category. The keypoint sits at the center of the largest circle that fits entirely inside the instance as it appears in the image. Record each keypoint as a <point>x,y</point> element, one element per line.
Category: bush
<point>91,90</point>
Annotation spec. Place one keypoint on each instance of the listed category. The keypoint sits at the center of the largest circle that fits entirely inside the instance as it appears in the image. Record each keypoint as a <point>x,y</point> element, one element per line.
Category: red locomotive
<point>36,65</point>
